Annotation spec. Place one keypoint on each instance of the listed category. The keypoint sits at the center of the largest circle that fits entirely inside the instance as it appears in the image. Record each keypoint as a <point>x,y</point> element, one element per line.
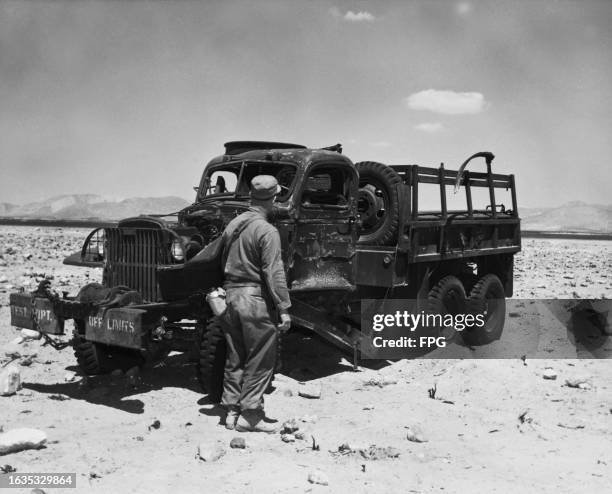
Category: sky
<point>133,98</point>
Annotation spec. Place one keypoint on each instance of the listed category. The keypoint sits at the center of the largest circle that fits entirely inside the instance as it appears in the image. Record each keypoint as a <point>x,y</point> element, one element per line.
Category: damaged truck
<point>349,231</point>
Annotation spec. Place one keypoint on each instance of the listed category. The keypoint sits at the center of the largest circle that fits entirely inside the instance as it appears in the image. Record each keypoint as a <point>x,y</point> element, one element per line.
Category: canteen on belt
<point>216,301</point>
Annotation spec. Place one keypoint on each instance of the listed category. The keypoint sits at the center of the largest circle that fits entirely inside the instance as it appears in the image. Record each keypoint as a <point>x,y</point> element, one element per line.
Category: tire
<point>211,362</point>
<point>378,203</point>
<point>447,297</point>
<point>95,358</point>
<point>487,297</point>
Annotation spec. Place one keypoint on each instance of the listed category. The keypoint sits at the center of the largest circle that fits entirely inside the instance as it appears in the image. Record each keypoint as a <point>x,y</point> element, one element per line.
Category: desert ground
<point>491,426</point>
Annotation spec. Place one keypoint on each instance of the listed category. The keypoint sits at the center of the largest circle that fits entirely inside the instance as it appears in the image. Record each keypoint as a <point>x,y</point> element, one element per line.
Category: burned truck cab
<point>315,212</point>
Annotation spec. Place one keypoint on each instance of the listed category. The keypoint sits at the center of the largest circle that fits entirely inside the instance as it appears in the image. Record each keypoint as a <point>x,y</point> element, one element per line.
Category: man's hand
<point>285,322</point>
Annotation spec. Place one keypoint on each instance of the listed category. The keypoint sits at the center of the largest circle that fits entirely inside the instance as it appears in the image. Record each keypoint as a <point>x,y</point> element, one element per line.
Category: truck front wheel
<point>211,362</point>
<point>95,358</point>
<point>487,299</point>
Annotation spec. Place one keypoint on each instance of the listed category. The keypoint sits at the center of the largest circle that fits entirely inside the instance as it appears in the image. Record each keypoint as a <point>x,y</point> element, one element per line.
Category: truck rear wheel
<point>446,297</point>
<point>378,203</point>
<point>211,364</point>
<point>95,358</point>
<point>488,298</point>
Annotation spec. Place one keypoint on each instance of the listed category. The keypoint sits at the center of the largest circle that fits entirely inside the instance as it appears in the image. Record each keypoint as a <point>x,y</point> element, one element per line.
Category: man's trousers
<point>251,337</point>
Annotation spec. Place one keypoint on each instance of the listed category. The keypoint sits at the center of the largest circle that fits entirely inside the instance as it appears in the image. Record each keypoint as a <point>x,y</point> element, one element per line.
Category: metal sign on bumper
<point>35,313</point>
<point>120,327</point>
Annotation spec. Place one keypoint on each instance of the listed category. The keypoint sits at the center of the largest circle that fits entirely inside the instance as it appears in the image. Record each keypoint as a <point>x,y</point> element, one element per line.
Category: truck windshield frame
<point>285,172</point>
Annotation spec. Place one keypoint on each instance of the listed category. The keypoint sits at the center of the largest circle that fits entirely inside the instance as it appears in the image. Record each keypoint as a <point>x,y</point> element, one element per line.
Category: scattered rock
<point>288,438</point>
<point>309,419</point>
<point>21,439</point>
<point>287,392</point>
<point>10,381</point>
<point>549,374</point>
<point>58,397</point>
<point>415,434</point>
<point>69,377</point>
<point>210,452</point>
<point>310,390</point>
<point>30,334</point>
<point>376,453</point>
<point>27,361</point>
<point>3,279</point>
<point>318,477</point>
<point>300,435</point>
<point>290,426</point>
<point>578,382</point>
<point>238,443</point>
<point>156,424</point>
<point>7,468</point>
<point>117,373</point>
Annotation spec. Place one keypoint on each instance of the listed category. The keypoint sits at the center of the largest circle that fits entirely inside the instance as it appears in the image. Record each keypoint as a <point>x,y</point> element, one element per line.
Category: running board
<point>341,335</point>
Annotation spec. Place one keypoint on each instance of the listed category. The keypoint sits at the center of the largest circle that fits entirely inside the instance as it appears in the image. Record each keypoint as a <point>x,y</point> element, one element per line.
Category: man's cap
<point>264,187</point>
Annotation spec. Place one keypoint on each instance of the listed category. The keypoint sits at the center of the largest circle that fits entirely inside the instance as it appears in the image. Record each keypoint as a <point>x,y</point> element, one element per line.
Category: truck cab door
<point>324,239</point>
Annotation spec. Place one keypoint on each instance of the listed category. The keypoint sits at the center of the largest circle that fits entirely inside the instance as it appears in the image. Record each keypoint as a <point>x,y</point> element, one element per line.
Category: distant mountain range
<point>90,206</point>
<point>570,217</point>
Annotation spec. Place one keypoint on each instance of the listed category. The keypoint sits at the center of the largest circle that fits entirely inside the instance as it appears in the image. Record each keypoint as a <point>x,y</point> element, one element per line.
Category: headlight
<point>177,250</point>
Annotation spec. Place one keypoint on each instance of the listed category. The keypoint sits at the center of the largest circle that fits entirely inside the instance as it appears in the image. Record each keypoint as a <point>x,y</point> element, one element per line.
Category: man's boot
<point>233,412</point>
<point>254,421</point>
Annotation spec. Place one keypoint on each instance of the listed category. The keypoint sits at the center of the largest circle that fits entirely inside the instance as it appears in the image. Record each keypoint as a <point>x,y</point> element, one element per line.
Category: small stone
<point>318,477</point>
<point>3,279</point>
<point>415,434</point>
<point>300,435</point>
<point>577,382</point>
<point>117,373</point>
<point>312,391</point>
<point>309,419</point>
<point>549,374</point>
<point>238,443</point>
<point>288,438</point>
<point>69,377</point>
<point>30,334</point>
<point>156,424</point>
<point>287,392</point>
<point>10,380</point>
<point>210,452</point>
<point>290,426</point>
<point>21,439</point>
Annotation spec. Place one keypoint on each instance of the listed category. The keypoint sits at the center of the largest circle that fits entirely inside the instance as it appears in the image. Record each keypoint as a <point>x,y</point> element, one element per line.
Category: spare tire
<point>378,203</point>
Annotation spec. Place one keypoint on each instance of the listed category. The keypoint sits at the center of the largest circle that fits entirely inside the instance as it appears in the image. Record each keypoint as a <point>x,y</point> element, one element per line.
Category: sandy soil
<point>492,426</point>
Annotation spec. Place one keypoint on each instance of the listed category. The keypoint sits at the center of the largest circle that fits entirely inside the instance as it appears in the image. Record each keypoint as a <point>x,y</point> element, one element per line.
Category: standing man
<point>257,302</point>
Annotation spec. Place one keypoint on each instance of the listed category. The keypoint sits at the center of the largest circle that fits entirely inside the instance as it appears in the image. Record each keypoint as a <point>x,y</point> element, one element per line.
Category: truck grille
<point>133,255</point>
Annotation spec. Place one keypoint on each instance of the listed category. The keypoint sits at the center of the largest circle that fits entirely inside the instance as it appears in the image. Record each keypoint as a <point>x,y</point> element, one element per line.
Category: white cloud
<point>364,16</point>
<point>463,8</point>
<point>350,16</point>
<point>447,102</point>
<point>429,127</point>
